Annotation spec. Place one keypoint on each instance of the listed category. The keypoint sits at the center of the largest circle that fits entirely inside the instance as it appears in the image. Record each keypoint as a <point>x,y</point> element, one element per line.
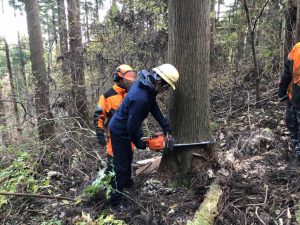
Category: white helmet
<point>167,72</point>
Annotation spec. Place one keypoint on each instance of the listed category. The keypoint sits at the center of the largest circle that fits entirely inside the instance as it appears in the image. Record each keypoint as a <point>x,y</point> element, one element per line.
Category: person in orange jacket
<point>108,103</point>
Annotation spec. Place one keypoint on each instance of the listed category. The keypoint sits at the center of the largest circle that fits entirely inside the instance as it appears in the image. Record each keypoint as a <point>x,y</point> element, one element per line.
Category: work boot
<point>129,183</point>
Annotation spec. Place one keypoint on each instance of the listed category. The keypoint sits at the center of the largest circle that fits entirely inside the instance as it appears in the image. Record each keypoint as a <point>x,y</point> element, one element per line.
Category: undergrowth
<point>20,176</point>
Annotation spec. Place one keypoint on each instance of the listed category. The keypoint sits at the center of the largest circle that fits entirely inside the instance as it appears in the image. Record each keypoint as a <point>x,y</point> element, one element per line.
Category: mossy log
<point>209,207</point>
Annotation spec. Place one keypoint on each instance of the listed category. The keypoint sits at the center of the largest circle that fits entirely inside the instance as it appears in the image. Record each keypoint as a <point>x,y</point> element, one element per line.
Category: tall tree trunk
<point>45,127</point>
<point>77,64</point>
<point>54,25</point>
<point>219,8</point>
<point>63,42</point>
<point>290,22</point>
<point>12,86</point>
<point>49,53</point>
<point>96,14</point>
<point>212,31</point>
<point>251,32</point>
<point>86,9</point>
<point>23,74</point>
<point>297,37</point>
<point>4,134</point>
<point>22,61</point>
<point>189,107</point>
<point>240,46</point>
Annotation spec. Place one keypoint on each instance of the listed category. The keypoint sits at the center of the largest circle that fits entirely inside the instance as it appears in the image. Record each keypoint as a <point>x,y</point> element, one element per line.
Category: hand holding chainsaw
<point>159,142</point>
<point>156,142</point>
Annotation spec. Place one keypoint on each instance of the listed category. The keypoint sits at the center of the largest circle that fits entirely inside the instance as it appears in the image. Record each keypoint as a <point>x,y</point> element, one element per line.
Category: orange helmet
<point>126,72</point>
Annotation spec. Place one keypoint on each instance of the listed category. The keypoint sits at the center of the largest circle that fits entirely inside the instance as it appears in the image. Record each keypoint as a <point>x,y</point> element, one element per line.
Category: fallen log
<point>208,210</point>
<point>38,196</point>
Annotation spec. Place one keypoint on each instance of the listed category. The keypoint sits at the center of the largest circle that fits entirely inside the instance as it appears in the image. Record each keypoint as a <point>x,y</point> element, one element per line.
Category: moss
<point>214,126</point>
<point>209,207</point>
<point>297,214</point>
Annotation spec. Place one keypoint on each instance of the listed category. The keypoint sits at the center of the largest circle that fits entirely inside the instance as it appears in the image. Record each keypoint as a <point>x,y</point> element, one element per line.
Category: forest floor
<point>253,151</point>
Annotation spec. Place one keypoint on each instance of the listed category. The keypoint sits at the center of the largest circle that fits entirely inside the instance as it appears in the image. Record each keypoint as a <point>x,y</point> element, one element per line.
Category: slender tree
<point>239,54</point>
<point>86,9</point>
<point>297,37</point>
<point>12,85</point>
<point>45,127</point>
<point>290,22</point>
<point>96,13</point>
<point>189,52</point>
<point>22,62</point>
<point>4,134</point>
<point>63,42</point>
<point>212,31</point>
<point>251,31</point>
<point>77,64</point>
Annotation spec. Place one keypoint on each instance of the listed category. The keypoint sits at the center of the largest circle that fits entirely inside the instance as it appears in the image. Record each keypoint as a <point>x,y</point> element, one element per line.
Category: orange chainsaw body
<point>157,142</point>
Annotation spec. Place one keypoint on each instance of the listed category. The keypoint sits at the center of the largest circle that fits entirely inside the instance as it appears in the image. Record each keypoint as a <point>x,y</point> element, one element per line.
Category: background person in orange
<point>108,103</point>
<point>289,89</point>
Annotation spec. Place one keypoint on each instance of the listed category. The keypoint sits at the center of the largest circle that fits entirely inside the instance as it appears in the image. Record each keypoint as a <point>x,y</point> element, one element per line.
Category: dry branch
<point>38,196</point>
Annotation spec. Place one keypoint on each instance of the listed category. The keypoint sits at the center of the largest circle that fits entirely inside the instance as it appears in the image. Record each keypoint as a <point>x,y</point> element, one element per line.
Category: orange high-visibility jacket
<point>290,81</point>
<point>108,103</point>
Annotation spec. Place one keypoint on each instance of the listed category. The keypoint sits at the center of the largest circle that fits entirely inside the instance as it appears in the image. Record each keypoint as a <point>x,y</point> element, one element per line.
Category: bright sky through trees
<point>11,24</point>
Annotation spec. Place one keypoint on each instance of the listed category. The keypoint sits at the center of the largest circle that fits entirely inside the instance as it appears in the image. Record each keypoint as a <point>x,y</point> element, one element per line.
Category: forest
<point>233,152</point>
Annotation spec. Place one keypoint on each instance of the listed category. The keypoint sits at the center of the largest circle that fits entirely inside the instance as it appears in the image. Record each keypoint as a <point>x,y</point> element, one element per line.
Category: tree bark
<point>239,55</point>
<point>23,74</point>
<point>4,134</point>
<point>45,127</point>
<point>96,14</point>
<point>86,9</point>
<point>218,12</point>
<point>12,86</point>
<point>22,61</point>
<point>251,31</point>
<point>297,38</point>
<point>63,42</point>
<point>188,50</point>
<point>212,32</point>
<point>290,22</point>
<point>54,25</point>
<point>77,64</point>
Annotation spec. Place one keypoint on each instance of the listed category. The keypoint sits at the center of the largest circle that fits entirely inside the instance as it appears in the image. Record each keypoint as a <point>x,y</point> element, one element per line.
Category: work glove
<point>284,98</point>
<point>101,137</point>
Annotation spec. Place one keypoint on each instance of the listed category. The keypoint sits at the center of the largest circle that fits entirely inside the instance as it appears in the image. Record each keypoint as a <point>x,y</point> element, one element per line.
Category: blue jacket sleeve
<point>135,119</point>
<point>157,114</point>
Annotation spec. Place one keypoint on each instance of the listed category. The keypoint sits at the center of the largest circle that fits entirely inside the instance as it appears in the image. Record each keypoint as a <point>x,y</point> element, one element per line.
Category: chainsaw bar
<point>170,146</point>
<point>194,144</point>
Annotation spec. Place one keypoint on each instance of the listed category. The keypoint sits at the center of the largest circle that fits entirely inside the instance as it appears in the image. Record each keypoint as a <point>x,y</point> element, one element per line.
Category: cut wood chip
<point>146,161</point>
<point>150,167</point>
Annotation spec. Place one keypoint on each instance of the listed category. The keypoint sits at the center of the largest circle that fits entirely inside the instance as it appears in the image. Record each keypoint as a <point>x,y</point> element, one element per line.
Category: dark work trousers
<point>292,117</point>
<point>123,155</point>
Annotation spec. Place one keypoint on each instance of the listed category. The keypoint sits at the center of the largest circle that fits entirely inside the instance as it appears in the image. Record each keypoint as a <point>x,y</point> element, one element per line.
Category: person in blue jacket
<point>125,125</point>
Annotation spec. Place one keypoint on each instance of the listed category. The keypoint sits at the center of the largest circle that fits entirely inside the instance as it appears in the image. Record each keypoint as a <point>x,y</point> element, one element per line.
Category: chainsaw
<point>165,143</point>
